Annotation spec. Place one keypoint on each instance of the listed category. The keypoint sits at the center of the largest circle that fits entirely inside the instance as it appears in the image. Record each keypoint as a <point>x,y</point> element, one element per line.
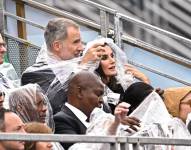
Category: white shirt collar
<point>79,114</point>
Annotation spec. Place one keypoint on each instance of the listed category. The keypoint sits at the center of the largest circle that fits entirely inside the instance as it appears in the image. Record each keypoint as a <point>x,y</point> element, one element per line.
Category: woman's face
<point>108,62</point>
<point>43,146</point>
<point>185,107</point>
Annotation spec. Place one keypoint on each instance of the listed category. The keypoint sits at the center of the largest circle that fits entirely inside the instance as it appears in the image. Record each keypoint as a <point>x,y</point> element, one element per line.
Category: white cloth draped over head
<point>25,102</point>
<point>122,77</point>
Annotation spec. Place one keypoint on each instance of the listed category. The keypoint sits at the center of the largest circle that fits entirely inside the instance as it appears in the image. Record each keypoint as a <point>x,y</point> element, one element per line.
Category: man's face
<point>41,107</point>
<point>92,97</point>
<point>2,49</point>
<point>13,124</point>
<point>72,46</point>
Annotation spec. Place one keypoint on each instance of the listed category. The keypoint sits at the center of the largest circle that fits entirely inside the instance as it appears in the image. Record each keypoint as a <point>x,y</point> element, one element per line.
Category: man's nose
<point>23,130</point>
<point>81,47</point>
<point>44,108</point>
<point>3,48</point>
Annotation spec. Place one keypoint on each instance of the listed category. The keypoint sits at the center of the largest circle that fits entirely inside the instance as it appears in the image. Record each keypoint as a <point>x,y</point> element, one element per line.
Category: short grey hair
<point>56,29</point>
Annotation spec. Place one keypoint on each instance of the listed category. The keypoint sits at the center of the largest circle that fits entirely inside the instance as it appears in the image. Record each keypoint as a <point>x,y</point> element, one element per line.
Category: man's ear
<point>79,93</point>
<point>56,46</point>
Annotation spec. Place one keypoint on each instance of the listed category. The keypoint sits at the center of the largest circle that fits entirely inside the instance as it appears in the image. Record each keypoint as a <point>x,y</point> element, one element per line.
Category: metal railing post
<point>1,15</point>
<point>114,146</point>
<point>124,146</point>
<point>118,30</point>
<point>136,146</point>
<point>104,22</point>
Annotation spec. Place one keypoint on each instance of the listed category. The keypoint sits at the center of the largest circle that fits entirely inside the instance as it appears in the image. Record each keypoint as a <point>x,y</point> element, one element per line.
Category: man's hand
<point>93,53</point>
<point>136,73</point>
<point>132,122</point>
<point>121,111</point>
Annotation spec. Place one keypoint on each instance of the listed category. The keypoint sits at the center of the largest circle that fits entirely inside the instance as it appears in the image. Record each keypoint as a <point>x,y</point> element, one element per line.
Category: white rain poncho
<point>157,122</point>
<point>51,74</point>
<point>28,102</point>
<point>72,66</point>
<point>125,79</point>
<point>99,126</point>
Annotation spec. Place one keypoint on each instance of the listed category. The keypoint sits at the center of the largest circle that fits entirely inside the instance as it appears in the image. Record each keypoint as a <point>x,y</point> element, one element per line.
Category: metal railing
<point>118,31</point>
<point>116,142</point>
<point>62,13</point>
<point>104,25</point>
<point>33,56</point>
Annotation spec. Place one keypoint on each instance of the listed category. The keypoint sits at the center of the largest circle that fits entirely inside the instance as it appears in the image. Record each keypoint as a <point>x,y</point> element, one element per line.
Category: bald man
<point>11,123</point>
<point>85,92</point>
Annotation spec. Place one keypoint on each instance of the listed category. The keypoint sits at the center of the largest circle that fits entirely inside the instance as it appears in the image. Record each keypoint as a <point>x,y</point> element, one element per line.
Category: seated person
<point>116,74</point>
<point>63,43</point>
<point>155,117</point>
<point>103,124</point>
<point>178,101</point>
<point>31,104</point>
<point>7,72</point>
<point>35,127</point>
<point>11,123</point>
<point>85,93</point>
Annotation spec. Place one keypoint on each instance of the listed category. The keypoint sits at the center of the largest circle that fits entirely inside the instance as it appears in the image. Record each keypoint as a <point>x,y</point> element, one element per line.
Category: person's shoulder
<point>63,113</point>
<point>35,67</point>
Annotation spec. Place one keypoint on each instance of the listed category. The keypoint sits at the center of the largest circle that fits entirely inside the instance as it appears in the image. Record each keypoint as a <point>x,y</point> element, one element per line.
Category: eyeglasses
<point>2,94</point>
<point>2,45</point>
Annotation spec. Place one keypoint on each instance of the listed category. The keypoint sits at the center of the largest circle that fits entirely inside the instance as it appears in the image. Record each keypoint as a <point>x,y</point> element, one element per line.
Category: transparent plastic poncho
<point>26,102</point>
<point>58,72</point>
<point>155,122</point>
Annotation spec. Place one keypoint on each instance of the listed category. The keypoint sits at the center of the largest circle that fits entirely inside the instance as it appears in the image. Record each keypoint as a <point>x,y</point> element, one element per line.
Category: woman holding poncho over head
<point>117,79</point>
<point>114,70</point>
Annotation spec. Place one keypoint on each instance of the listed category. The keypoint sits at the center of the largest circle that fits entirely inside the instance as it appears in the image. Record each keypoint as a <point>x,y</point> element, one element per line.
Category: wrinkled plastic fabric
<point>123,78</point>
<point>23,101</point>
<point>56,73</point>
<point>155,123</point>
<point>64,69</point>
<point>99,126</point>
<point>8,78</point>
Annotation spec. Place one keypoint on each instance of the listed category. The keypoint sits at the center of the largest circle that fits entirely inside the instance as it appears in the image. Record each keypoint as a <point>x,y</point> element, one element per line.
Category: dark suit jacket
<point>66,122</point>
<point>44,78</point>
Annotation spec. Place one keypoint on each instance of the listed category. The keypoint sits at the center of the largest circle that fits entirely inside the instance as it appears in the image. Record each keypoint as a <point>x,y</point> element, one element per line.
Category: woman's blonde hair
<point>35,127</point>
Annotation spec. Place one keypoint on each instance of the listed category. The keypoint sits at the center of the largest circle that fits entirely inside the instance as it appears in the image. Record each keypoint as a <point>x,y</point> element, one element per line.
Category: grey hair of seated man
<point>56,29</point>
